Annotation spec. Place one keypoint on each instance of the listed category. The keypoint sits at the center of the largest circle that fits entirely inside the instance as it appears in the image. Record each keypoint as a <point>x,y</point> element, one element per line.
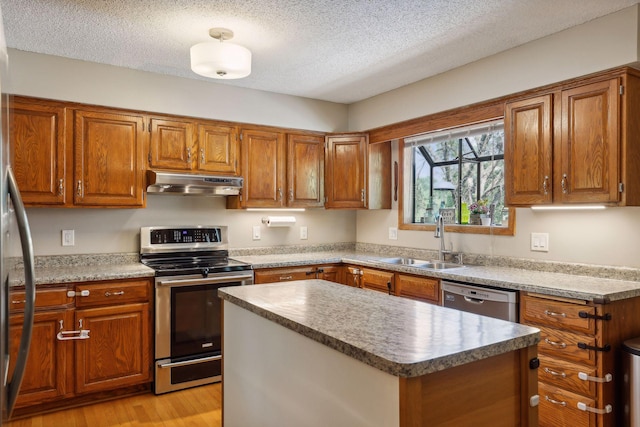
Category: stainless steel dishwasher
<point>498,303</point>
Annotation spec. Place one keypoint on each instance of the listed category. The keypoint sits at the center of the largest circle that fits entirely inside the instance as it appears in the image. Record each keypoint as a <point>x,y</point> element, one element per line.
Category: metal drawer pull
<point>555,343</point>
<point>190,362</point>
<point>583,407</point>
<point>551,313</point>
<point>22,301</point>
<point>606,379</point>
<point>555,373</point>
<point>116,293</point>
<point>82,334</point>
<point>555,402</point>
<point>584,346</point>
<point>285,277</point>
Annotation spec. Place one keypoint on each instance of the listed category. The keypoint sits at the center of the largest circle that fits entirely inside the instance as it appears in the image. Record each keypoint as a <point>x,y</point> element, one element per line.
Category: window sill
<point>462,228</point>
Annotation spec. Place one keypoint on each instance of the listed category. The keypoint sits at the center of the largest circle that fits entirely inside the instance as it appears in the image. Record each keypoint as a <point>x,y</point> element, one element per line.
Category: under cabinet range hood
<point>189,184</point>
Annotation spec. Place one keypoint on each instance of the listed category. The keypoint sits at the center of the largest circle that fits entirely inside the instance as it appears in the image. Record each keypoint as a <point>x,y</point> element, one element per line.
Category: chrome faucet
<point>439,234</point>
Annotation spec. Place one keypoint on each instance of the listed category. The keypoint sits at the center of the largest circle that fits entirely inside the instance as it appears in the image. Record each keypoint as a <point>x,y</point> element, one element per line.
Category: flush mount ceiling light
<point>220,59</point>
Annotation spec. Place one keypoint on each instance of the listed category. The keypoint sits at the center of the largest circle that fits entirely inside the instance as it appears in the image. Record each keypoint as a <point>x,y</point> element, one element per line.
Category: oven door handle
<point>189,362</point>
<point>204,280</point>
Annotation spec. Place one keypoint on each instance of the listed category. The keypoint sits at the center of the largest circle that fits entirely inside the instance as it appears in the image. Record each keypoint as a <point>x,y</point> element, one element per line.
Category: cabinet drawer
<point>113,292</point>
<point>559,314</point>
<point>564,374</point>
<point>45,298</point>
<point>564,345</point>
<point>420,288</point>
<point>559,408</point>
<point>283,275</point>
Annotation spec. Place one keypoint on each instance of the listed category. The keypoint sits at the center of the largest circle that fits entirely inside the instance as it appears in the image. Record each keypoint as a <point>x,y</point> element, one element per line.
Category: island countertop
<point>402,337</point>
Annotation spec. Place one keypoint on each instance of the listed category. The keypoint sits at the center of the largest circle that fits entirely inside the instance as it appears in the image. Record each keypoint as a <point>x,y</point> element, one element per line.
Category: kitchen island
<point>316,353</point>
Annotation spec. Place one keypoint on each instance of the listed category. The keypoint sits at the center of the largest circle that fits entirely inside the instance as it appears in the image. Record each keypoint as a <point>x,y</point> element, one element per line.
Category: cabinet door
<point>332,273</point>
<point>108,159</point>
<point>590,155</point>
<point>528,151</point>
<point>172,144</point>
<point>377,280</point>
<point>305,171</point>
<point>263,167</point>
<point>39,152</point>
<point>48,375</point>
<point>419,288</point>
<point>218,149</point>
<point>118,352</point>
<point>345,171</point>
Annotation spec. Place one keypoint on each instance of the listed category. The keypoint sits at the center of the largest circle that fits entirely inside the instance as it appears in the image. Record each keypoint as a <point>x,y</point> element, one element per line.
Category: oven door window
<point>196,320</point>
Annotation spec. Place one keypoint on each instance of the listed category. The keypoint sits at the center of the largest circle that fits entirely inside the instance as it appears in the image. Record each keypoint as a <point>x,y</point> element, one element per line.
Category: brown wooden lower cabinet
<point>420,288</point>
<point>68,371</point>
<point>332,273</point>
<point>378,280</point>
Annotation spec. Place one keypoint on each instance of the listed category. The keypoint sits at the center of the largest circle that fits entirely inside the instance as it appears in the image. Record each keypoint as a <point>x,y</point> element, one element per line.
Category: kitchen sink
<point>420,263</point>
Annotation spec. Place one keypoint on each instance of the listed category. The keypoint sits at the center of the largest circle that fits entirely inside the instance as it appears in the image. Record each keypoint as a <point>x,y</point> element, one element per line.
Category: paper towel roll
<point>279,221</point>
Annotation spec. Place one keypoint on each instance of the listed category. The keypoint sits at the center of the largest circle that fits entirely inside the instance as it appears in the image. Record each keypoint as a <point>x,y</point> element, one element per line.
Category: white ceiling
<point>336,50</point>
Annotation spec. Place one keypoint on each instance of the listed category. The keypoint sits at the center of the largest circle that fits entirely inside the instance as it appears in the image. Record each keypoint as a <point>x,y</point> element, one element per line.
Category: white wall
<point>118,230</point>
<point>610,237</point>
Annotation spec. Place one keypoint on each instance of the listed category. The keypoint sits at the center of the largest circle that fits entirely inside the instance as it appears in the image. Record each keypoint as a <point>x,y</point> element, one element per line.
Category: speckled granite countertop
<point>83,268</point>
<point>550,283</point>
<point>396,335</point>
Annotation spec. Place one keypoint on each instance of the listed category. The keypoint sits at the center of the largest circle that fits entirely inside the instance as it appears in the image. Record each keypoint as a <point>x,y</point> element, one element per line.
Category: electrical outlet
<point>393,233</point>
<point>256,232</point>
<point>540,242</point>
<point>68,238</point>
<point>303,232</point>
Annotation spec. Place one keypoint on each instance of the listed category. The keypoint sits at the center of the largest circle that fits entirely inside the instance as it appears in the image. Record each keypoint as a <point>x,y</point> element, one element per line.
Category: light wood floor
<point>195,407</point>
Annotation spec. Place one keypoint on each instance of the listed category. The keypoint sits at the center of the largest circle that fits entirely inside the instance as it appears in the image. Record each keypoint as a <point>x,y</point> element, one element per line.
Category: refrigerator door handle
<point>13,387</point>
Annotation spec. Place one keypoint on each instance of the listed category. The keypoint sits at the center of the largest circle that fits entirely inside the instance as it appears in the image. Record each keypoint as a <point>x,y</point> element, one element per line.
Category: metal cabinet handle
<point>81,334</point>
<point>291,194</point>
<point>555,402</point>
<point>22,301</point>
<point>555,343</point>
<point>285,277</point>
<point>545,184</point>
<point>188,154</point>
<point>116,293</point>
<point>564,183</point>
<point>202,155</point>
<point>555,373</point>
<point>362,195</point>
<point>280,194</point>
<point>79,188</point>
<point>60,187</point>
<point>554,314</point>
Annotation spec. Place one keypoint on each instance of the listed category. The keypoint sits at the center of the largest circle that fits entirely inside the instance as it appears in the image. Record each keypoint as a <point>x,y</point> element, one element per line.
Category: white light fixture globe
<point>219,59</point>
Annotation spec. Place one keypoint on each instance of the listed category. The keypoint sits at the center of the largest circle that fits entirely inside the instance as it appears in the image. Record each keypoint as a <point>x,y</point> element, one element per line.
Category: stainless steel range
<point>191,263</point>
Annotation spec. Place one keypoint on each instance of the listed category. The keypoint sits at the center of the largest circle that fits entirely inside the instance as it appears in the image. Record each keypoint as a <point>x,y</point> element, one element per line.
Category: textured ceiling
<point>336,50</point>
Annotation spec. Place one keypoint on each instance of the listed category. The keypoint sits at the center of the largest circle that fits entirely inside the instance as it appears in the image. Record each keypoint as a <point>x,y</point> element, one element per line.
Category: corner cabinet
<point>577,144</point>
<point>580,377</point>
<point>357,175</point>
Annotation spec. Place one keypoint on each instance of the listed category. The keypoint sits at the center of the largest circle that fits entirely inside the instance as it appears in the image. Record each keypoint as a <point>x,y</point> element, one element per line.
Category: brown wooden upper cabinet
<point>40,154</point>
<point>66,157</point>
<point>185,145</point>
<point>280,170</point>
<point>109,159</point>
<point>575,145</point>
<point>357,175</point>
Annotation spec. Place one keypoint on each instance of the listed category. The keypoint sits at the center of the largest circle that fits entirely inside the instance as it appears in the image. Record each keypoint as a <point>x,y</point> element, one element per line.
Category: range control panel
<point>185,235</point>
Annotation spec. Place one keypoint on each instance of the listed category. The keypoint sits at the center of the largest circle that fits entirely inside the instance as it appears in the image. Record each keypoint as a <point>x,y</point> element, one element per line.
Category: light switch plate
<point>303,232</point>
<point>68,238</point>
<point>256,232</point>
<point>540,242</point>
<point>393,233</point>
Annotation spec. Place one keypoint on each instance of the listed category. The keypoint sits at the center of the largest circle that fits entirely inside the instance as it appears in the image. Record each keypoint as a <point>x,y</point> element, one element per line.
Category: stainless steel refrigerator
<point>16,257</point>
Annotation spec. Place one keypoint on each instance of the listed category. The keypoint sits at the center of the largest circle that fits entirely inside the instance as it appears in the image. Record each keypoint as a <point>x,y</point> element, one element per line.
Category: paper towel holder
<point>279,221</point>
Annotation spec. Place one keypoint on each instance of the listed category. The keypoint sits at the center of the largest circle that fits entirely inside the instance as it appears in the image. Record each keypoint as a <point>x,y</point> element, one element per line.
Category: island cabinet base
<point>490,392</point>
<point>274,376</point>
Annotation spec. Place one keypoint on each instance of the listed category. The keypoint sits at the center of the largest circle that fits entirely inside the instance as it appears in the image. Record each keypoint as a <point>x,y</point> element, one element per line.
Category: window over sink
<point>459,173</point>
